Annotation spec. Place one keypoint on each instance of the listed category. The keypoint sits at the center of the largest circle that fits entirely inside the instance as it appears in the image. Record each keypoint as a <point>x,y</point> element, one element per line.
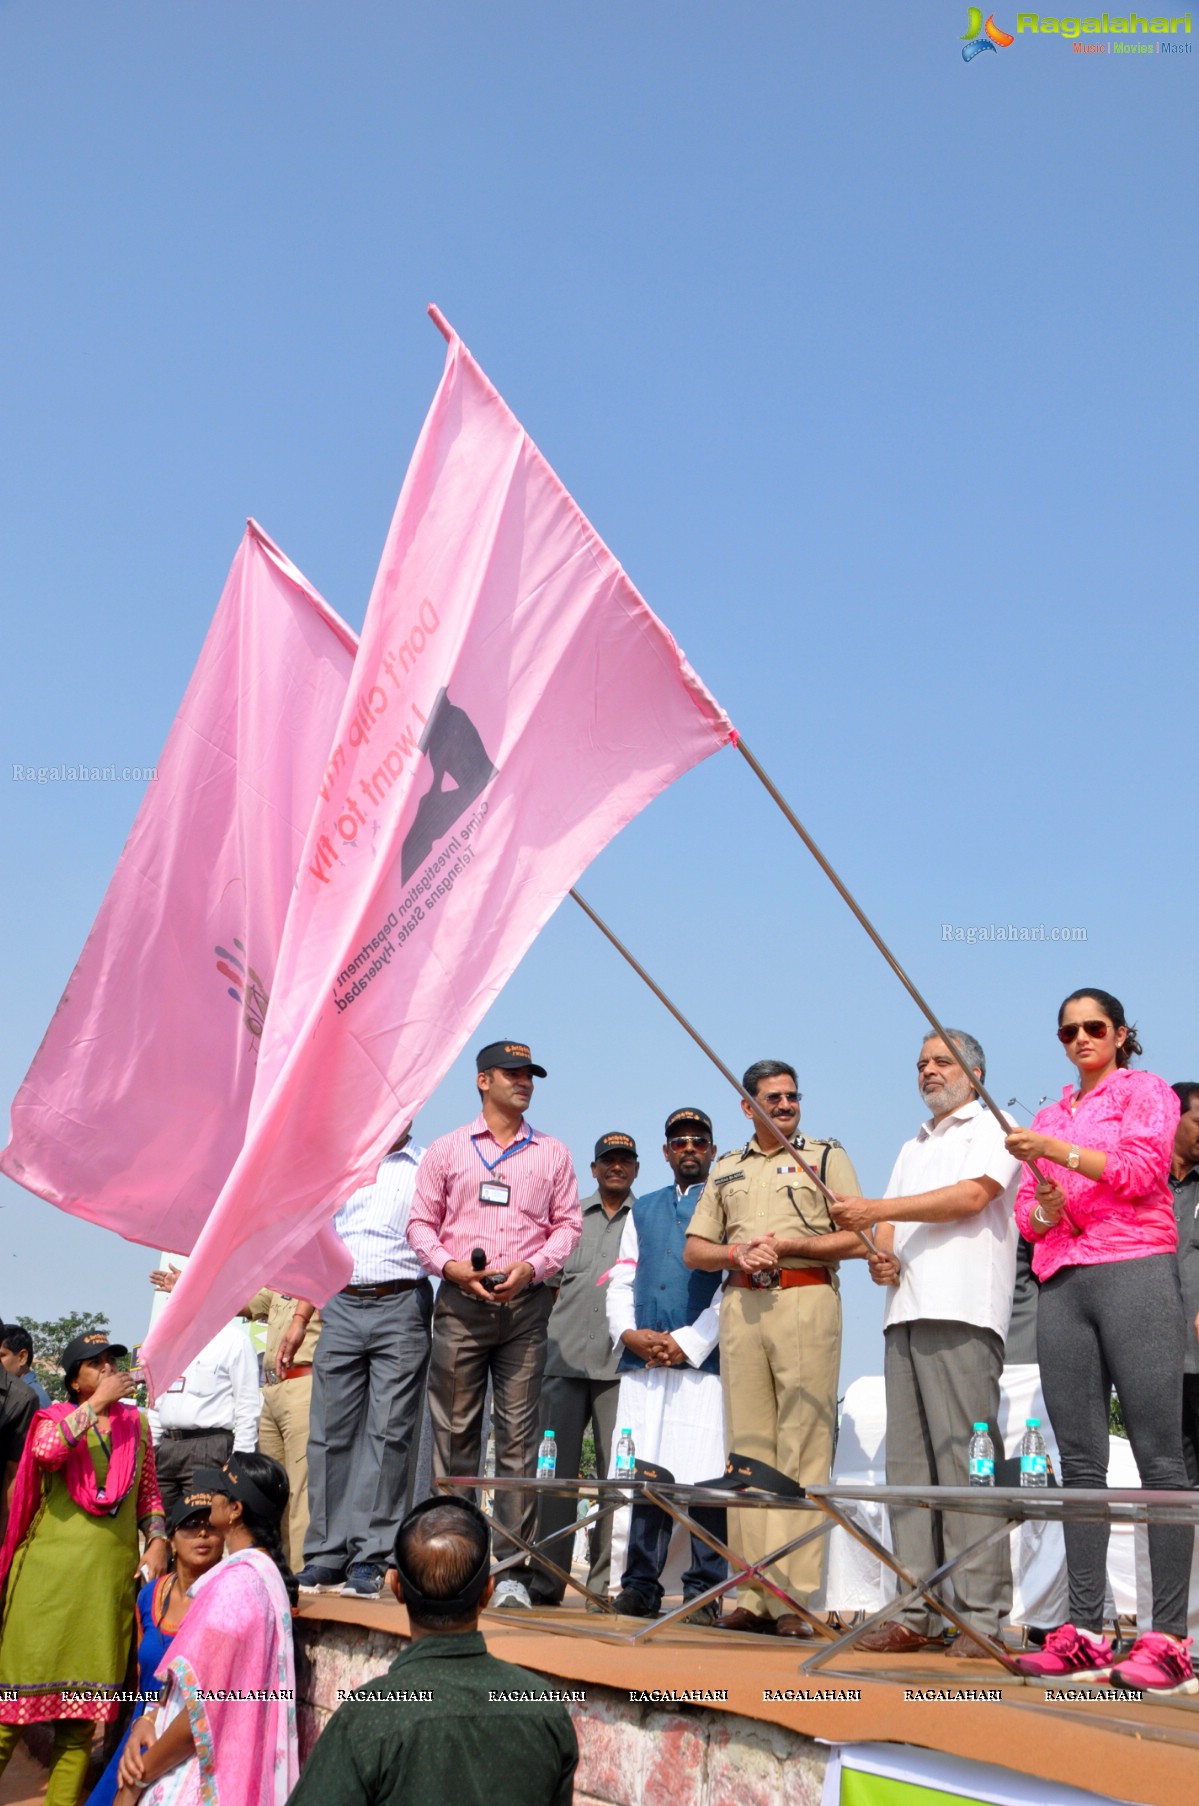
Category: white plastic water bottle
<point>547,1457</point>
<point>626,1455</point>
<point>1034,1458</point>
<point>982,1457</point>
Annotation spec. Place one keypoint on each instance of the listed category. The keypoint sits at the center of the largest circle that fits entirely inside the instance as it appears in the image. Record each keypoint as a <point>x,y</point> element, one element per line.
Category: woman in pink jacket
<point>1110,1310</point>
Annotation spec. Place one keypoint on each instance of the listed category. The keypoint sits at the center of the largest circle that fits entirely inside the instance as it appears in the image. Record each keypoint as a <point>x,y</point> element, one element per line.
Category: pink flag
<point>135,1107</point>
<point>513,705</point>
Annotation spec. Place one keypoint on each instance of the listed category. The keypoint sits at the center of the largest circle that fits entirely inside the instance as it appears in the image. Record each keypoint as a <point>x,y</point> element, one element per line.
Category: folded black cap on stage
<point>511,1055</point>
<point>649,1470</point>
<point>743,1474</point>
<point>615,1144</point>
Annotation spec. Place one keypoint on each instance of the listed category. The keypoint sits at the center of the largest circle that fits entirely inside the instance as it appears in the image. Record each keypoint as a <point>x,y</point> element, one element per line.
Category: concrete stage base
<point>736,1742</point>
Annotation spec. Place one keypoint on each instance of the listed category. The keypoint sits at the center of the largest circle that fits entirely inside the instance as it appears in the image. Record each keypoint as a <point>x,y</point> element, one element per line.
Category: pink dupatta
<point>80,1475</point>
<point>236,1641</point>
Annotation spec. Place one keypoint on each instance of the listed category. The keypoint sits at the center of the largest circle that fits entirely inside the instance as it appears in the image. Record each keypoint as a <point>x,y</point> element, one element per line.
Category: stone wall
<point>629,1754</point>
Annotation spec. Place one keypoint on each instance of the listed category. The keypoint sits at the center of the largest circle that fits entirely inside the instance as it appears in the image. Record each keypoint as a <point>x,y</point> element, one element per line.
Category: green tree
<point>51,1337</point>
<point>1115,1416</point>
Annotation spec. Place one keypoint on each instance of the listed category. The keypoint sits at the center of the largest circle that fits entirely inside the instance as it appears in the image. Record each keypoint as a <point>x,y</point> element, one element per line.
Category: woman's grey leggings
<point>1119,1322</point>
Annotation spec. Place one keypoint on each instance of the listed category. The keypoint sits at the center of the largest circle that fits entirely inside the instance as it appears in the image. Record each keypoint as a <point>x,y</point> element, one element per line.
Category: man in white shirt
<point>946,1233</point>
<point>208,1414</point>
<point>368,1380</point>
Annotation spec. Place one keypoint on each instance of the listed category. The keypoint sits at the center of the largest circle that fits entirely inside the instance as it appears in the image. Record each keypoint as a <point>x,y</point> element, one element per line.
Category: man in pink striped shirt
<point>499,1188</point>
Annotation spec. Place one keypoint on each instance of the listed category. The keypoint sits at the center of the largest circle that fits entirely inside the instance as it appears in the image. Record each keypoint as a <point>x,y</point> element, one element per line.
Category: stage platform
<point>737,1715</point>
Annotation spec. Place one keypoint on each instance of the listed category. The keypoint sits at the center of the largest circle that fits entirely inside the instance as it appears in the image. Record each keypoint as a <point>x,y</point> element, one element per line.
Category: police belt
<point>780,1278</point>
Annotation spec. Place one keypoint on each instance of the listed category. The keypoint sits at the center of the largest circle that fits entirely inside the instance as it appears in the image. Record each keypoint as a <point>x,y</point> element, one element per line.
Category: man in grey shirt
<point>581,1381</point>
<point>1184,1184</point>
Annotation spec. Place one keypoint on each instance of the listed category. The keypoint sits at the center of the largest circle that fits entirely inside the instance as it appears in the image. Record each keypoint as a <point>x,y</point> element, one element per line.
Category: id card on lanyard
<point>494,1191</point>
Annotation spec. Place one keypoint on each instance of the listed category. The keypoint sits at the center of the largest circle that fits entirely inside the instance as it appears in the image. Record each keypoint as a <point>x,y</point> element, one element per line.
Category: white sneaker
<point>511,1594</point>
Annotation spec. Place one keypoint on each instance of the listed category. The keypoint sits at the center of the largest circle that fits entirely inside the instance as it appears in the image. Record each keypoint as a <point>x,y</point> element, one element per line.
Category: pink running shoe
<point>1068,1654</point>
<point>1156,1664</point>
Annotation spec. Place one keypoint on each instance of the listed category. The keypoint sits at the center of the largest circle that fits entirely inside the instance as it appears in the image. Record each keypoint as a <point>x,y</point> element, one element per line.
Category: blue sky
<point>876,371</point>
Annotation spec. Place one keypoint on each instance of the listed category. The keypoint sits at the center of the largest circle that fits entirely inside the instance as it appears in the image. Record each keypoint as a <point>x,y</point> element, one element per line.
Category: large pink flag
<point>513,705</point>
<point>135,1107</point>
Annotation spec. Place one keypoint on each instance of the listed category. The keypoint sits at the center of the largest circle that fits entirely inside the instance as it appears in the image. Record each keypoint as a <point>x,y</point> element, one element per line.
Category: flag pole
<point>839,885</point>
<point>760,1116</point>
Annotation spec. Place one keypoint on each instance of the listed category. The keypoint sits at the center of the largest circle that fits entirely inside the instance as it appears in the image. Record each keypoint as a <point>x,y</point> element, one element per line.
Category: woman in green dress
<point>85,1487</point>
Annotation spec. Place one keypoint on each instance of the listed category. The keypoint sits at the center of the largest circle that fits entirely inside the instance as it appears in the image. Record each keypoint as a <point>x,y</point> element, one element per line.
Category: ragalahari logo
<point>991,39</point>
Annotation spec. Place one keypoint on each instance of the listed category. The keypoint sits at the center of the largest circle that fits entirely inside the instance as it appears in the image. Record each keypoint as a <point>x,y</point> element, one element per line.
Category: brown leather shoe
<point>743,1619</point>
<point>894,1639</point>
<point>970,1651</point>
<point>793,1626</point>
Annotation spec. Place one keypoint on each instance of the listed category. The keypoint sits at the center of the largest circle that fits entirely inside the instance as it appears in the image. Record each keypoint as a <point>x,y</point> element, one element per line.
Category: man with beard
<point>665,1321</point>
<point>947,1245</point>
<point>762,1217</point>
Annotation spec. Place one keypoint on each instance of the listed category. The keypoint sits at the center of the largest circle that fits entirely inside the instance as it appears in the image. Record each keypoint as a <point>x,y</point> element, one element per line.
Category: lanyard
<point>514,1149</point>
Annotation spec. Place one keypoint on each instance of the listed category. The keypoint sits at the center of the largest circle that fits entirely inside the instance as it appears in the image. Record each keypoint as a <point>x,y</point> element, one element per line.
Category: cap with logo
<point>678,1118</point>
<point>231,1483</point>
<point>193,1504</point>
<point>743,1473</point>
<point>615,1144</point>
<point>510,1055</point>
<point>89,1347</point>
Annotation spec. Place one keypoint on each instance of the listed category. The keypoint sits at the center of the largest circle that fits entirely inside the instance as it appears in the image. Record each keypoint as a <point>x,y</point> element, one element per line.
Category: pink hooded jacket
<point>1129,1213</point>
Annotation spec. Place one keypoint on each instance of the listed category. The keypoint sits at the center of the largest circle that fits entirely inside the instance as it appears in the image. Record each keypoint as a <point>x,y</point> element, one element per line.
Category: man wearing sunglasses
<point>665,1321</point>
<point>762,1217</point>
<point>947,1239</point>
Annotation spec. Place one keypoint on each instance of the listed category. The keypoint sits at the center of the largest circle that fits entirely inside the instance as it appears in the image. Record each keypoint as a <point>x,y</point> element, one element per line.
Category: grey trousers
<point>1121,1321</point>
<point>471,1341</point>
<point>942,1378</point>
<point>368,1380</point>
<point>176,1459</point>
<point>566,1407</point>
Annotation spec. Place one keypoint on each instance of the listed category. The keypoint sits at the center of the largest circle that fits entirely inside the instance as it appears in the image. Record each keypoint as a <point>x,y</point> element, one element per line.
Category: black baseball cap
<point>742,1473</point>
<point>510,1055</point>
<point>233,1484</point>
<point>193,1504</point>
<point>88,1347</point>
<point>616,1143</point>
<point>677,1118</point>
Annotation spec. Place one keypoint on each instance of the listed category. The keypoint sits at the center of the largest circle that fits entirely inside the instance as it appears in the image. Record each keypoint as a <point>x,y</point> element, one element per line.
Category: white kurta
<point>675,1414</point>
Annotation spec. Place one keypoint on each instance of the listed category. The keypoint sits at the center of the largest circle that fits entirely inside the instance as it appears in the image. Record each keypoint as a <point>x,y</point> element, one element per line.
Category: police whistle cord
<point>875,936</point>
<point>760,1116</point>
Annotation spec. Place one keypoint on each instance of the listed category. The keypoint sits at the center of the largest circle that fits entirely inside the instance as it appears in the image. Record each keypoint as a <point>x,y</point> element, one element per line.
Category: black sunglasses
<point>689,1141</point>
<point>1097,1030</point>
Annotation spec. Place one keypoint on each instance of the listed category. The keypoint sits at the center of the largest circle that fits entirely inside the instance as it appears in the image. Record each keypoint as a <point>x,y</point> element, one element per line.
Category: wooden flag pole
<point>760,1116</point>
<point>876,937</point>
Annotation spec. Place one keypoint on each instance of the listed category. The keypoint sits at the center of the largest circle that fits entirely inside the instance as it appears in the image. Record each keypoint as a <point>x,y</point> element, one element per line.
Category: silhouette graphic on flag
<point>456,752</point>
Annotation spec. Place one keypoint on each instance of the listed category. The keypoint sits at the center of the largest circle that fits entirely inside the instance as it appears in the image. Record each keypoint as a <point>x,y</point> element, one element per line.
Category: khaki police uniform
<point>286,1405</point>
<point>780,1350</point>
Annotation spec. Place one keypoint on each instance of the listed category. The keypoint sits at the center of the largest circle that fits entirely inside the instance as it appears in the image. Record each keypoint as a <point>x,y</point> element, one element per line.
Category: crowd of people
<point>702,1317</point>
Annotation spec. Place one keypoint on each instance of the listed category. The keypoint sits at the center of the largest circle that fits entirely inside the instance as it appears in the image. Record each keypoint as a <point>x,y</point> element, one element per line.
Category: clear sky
<point>875,369</point>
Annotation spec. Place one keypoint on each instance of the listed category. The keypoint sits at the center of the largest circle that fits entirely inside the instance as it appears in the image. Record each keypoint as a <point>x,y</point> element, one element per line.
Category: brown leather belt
<point>301,1370</point>
<point>781,1278</point>
<point>385,1289</point>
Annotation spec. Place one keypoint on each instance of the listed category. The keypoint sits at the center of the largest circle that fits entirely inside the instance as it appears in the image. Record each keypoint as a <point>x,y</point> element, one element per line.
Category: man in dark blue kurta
<point>664,1318</point>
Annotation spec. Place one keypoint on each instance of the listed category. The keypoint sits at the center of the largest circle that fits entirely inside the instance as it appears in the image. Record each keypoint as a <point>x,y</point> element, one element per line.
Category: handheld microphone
<point>478,1266</point>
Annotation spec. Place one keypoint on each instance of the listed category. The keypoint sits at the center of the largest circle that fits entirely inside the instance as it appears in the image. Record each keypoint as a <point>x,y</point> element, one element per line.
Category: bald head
<point>440,1551</point>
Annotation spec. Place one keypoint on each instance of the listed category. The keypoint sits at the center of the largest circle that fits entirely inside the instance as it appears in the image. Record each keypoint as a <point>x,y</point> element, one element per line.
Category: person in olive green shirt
<point>447,1721</point>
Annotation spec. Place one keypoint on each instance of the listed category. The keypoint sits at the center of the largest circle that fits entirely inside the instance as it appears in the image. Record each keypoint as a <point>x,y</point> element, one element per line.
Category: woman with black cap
<point>227,1728</point>
<point>162,1605</point>
<point>85,1488</point>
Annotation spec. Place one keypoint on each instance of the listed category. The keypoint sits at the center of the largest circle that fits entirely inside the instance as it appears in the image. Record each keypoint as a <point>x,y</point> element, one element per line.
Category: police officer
<point>762,1217</point>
